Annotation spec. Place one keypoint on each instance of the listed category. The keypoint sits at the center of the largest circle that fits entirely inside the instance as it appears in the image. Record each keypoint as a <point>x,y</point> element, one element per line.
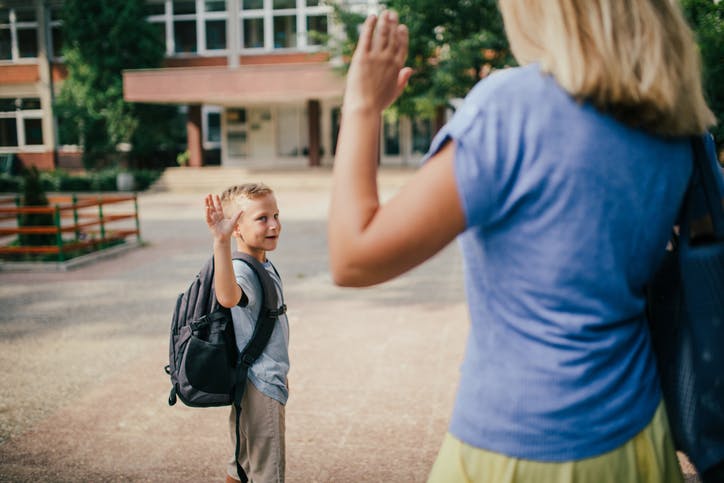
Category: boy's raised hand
<point>221,227</point>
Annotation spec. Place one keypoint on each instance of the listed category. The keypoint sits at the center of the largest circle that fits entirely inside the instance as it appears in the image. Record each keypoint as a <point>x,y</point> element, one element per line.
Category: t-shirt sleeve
<point>246,279</point>
<point>474,132</point>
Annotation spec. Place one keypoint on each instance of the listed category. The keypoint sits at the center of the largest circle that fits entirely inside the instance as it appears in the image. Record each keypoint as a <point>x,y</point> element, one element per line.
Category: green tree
<point>452,46</point>
<point>706,17</point>
<point>102,38</point>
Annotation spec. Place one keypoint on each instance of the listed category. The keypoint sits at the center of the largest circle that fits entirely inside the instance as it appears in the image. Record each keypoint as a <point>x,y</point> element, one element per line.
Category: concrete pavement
<point>82,353</point>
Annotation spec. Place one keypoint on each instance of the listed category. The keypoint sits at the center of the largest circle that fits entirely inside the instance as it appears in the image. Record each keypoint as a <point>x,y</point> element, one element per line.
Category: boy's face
<point>259,225</point>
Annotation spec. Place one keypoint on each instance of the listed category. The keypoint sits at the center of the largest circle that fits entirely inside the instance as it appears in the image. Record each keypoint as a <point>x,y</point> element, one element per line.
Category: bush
<point>34,195</point>
<point>103,180</point>
<point>59,180</point>
<point>145,178</point>
<point>74,183</point>
<point>10,184</point>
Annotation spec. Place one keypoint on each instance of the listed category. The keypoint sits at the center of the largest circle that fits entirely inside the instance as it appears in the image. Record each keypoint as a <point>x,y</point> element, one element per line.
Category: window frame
<point>200,16</point>
<point>301,13</point>
<point>21,115</point>
<point>13,25</point>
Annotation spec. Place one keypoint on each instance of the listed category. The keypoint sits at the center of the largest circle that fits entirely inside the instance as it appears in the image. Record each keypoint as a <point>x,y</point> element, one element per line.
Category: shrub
<point>10,184</point>
<point>34,195</point>
<point>59,180</point>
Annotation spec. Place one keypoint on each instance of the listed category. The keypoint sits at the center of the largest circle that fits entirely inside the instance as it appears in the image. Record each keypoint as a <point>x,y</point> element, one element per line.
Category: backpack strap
<point>268,315</point>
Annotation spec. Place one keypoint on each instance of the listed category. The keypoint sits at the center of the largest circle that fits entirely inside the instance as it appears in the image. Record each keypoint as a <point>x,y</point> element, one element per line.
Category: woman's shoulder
<point>511,82</point>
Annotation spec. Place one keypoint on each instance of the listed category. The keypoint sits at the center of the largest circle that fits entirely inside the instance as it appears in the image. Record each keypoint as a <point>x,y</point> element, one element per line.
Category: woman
<point>562,179</point>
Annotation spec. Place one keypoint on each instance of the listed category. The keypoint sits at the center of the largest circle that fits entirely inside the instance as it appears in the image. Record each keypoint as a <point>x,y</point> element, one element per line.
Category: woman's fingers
<point>402,79</point>
<point>382,32</point>
<point>365,39</point>
<point>403,39</point>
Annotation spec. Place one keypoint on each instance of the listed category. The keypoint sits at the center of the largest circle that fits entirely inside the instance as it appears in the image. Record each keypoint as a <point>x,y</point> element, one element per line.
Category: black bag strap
<point>704,182</point>
<point>268,314</point>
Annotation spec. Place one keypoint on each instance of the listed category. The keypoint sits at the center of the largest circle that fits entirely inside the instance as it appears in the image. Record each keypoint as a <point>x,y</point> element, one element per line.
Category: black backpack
<point>205,365</point>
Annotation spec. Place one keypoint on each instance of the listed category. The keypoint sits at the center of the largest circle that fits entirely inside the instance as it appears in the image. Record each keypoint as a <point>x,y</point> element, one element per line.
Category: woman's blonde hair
<point>635,59</point>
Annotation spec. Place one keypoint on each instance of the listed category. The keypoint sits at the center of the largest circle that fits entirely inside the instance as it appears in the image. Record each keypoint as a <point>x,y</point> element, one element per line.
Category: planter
<point>125,181</point>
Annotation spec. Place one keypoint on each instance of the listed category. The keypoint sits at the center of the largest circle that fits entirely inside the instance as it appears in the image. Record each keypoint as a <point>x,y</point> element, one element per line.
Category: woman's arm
<point>370,243</point>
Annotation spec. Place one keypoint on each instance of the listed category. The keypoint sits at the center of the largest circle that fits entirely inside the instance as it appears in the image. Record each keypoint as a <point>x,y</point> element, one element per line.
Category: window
<point>281,4</point>
<point>184,26</point>
<point>421,135</point>
<point>56,32</point>
<point>18,33</point>
<point>215,34</point>
<point>392,137</point>
<point>189,26</point>
<point>336,116</point>
<point>283,24</point>
<point>285,31</point>
<point>253,33</point>
<point>33,131</point>
<point>212,127</point>
<point>236,127</point>
<point>21,122</point>
<point>198,27</point>
<point>316,29</point>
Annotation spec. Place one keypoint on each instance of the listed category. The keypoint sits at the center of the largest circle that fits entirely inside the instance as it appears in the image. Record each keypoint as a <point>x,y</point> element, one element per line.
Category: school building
<point>252,77</point>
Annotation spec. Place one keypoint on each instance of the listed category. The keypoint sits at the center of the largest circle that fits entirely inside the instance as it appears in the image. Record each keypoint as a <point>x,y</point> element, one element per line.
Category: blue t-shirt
<point>568,214</point>
<point>269,372</point>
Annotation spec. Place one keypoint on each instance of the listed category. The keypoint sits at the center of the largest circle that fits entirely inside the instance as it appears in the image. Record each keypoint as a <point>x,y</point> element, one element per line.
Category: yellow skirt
<point>647,457</point>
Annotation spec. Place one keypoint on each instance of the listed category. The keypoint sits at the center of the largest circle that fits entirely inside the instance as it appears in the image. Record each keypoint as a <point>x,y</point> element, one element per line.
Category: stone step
<point>213,179</point>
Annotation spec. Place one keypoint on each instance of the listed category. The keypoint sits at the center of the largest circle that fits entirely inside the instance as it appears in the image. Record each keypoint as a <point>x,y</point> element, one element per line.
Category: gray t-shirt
<point>269,372</point>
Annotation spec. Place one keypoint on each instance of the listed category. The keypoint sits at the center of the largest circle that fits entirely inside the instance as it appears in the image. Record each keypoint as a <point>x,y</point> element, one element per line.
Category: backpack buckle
<point>202,322</point>
<point>246,360</point>
<point>277,312</point>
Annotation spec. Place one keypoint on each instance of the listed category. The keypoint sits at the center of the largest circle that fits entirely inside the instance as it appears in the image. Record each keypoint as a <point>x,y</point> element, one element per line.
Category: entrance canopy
<point>249,84</point>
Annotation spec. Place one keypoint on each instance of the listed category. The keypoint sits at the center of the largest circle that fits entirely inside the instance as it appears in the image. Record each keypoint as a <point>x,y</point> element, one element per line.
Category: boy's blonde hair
<point>233,197</point>
<point>635,59</point>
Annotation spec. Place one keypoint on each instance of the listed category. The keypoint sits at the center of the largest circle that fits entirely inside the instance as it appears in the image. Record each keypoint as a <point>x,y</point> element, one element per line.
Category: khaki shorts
<point>261,453</point>
<point>648,457</point>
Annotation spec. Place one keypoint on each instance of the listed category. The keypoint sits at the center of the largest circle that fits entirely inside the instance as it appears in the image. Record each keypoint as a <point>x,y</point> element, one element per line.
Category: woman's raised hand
<point>377,75</point>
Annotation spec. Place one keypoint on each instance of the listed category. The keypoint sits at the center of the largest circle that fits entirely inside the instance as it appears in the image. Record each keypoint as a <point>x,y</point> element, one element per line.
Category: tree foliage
<point>707,19</point>
<point>454,44</point>
<point>102,38</point>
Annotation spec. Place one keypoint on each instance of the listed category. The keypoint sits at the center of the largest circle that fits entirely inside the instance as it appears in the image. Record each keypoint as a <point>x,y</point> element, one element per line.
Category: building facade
<point>253,78</point>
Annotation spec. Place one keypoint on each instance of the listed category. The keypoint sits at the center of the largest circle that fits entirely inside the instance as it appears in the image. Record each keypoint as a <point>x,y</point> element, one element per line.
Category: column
<point>233,39</point>
<point>45,86</point>
<point>193,135</point>
<point>313,119</point>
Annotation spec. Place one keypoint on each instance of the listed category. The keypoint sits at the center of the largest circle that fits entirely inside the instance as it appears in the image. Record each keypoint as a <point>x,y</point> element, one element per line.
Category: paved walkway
<point>82,353</point>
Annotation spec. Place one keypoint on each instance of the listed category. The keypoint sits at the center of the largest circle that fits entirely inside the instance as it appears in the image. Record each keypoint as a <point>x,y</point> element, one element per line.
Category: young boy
<point>249,214</point>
